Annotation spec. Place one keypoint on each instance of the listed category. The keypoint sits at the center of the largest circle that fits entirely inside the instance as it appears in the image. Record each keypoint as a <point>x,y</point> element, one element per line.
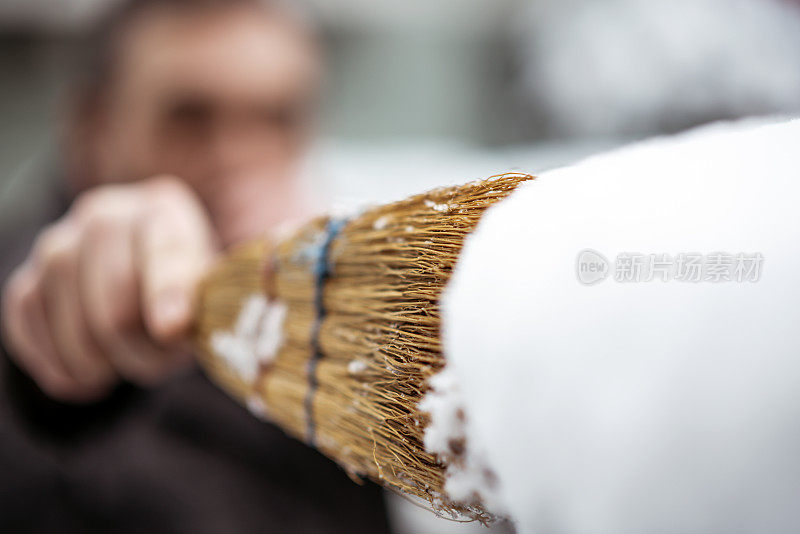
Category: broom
<point>332,333</point>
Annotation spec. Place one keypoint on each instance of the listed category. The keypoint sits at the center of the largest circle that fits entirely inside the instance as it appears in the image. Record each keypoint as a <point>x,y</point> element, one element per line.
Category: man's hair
<point>103,44</point>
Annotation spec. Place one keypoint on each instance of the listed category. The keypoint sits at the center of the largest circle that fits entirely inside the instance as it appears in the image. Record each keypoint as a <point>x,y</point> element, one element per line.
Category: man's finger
<point>28,336</point>
<point>74,343</point>
<point>174,248</point>
<point>109,293</point>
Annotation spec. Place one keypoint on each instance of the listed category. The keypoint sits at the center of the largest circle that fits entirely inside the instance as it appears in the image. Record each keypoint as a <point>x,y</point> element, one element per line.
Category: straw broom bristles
<point>360,340</point>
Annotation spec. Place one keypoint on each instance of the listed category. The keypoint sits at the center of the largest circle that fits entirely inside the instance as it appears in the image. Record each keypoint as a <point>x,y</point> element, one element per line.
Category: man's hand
<point>107,291</point>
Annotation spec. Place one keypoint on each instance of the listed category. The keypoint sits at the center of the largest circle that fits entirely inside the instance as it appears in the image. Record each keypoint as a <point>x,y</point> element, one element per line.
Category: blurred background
<point>465,87</point>
<point>421,93</point>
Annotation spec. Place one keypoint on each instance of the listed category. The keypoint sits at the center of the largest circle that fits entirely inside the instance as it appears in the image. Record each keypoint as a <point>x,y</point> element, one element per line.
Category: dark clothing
<point>178,458</point>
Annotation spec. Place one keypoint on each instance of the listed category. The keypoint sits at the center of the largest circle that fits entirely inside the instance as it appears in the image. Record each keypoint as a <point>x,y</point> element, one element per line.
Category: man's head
<point>217,92</point>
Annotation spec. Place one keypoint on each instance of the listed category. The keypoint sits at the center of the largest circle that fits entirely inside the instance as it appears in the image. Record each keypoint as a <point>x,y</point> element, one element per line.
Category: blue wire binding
<point>322,270</point>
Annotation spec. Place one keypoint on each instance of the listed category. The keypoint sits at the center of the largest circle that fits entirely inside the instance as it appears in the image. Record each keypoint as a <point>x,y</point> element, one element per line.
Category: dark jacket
<point>178,458</point>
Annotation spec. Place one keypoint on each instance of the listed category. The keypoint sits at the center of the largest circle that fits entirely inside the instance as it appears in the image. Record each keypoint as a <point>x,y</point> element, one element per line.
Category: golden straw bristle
<point>377,343</point>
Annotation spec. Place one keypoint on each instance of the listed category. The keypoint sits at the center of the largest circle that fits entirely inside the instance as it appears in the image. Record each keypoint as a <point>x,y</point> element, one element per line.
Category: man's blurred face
<point>221,98</point>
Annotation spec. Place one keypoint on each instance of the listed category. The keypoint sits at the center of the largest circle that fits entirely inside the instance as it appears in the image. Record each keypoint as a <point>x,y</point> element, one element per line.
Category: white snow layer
<point>468,478</point>
<point>651,407</point>
<point>255,339</point>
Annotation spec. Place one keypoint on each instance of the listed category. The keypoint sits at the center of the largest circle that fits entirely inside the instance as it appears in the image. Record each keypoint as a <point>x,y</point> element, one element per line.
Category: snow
<point>655,407</point>
<point>256,406</point>
<point>255,339</point>
<point>356,367</point>
<point>467,475</point>
<point>443,207</point>
<point>381,222</point>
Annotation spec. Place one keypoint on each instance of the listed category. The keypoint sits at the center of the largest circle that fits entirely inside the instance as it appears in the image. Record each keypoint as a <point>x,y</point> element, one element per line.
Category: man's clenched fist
<point>107,291</point>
